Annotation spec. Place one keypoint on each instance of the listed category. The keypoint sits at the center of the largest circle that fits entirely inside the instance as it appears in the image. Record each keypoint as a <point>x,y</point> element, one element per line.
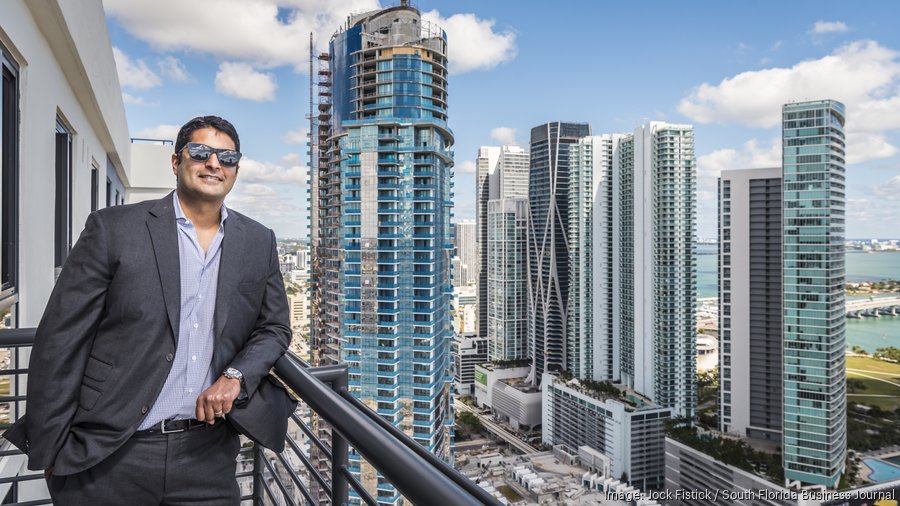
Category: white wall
<point>151,172</point>
<point>66,70</point>
<point>48,38</point>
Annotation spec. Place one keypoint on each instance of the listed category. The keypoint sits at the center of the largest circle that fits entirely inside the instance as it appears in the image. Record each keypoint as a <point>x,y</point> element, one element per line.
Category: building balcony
<point>314,467</point>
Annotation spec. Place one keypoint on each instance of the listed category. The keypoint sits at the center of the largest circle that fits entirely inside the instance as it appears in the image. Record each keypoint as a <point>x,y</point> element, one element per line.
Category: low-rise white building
<point>486,375</point>
<point>469,350</point>
<point>627,429</point>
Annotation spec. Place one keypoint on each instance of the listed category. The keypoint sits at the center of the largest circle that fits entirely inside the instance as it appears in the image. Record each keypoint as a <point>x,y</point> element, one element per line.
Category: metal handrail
<point>415,477</point>
<point>412,470</point>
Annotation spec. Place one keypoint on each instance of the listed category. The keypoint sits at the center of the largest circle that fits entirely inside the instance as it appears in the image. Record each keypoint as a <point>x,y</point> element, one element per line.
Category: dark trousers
<point>194,467</point>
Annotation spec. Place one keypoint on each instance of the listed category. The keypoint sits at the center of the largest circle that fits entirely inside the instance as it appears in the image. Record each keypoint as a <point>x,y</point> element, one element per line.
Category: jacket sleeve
<point>272,333</point>
<point>63,343</point>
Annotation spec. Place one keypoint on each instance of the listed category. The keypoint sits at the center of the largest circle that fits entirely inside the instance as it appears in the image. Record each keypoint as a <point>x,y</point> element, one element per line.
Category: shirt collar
<point>179,212</point>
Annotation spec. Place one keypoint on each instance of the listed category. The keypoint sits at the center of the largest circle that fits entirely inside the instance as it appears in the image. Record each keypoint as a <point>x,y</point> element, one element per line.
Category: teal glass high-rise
<point>815,393</point>
<point>382,201</point>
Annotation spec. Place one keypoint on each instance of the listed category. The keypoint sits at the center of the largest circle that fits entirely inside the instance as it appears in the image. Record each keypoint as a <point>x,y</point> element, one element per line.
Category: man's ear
<point>175,162</point>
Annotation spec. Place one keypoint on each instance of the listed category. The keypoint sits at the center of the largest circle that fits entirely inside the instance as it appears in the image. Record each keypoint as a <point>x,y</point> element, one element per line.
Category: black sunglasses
<point>202,152</point>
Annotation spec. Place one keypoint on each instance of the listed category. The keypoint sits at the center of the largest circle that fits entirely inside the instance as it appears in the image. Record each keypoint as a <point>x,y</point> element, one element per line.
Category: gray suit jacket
<point>105,344</point>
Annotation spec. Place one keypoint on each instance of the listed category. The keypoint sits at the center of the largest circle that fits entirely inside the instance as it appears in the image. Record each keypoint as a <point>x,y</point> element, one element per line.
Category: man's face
<point>209,180</point>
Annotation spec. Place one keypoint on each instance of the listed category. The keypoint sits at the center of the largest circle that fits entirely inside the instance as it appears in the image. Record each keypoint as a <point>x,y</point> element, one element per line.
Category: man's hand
<point>216,400</point>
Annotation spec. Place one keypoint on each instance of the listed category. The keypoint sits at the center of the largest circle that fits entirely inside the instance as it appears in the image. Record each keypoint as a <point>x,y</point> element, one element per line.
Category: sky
<point>724,67</point>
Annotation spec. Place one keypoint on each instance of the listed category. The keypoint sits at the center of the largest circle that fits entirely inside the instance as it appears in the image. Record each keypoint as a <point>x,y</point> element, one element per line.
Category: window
<point>63,222</point>
<point>95,187</point>
<point>9,174</point>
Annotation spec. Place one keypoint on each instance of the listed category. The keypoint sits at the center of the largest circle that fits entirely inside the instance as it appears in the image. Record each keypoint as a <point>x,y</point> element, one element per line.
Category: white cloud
<point>268,33</point>
<point>134,74</point>
<point>273,194</point>
<point>504,135</point>
<point>272,205</point>
<point>273,33</point>
<point>253,171</point>
<point>290,159</point>
<point>752,155</point>
<point>472,42</point>
<point>890,189</point>
<point>298,136</point>
<point>466,167</point>
<point>864,75</point>
<point>163,132</point>
<point>825,27</point>
<point>131,99</point>
<point>241,81</point>
<point>174,70</point>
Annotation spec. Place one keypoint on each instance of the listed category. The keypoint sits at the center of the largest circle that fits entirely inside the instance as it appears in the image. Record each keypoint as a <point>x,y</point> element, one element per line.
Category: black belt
<point>172,426</point>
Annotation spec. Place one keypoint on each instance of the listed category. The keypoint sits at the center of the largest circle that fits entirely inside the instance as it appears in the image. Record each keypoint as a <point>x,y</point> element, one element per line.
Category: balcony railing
<point>319,474</point>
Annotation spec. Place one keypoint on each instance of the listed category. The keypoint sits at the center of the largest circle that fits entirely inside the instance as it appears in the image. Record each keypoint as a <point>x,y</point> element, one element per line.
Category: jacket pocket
<point>97,370</point>
<point>88,397</point>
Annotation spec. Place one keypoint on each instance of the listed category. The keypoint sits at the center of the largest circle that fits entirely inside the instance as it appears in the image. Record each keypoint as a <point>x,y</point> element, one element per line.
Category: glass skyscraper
<point>553,147</point>
<point>507,284</point>
<point>815,393</point>
<point>501,173</point>
<point>381,182</point>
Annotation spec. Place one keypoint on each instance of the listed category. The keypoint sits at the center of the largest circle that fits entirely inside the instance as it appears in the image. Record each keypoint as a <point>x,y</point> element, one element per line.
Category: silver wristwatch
<point>232,373</point>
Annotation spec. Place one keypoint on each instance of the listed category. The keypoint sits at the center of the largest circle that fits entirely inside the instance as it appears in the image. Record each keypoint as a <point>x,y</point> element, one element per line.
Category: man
<point>166,316</point>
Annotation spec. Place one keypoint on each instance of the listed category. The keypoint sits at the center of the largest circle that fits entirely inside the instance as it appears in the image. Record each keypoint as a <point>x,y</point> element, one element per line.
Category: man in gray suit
<point>166,316</point>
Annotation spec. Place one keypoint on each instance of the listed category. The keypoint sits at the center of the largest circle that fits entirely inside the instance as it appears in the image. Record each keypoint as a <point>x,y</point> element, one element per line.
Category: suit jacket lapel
<point>229,270</point>
<point>164,236</point>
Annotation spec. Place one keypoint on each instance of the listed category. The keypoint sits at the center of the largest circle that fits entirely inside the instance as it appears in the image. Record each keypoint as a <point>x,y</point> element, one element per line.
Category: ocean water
<point>869,333</point>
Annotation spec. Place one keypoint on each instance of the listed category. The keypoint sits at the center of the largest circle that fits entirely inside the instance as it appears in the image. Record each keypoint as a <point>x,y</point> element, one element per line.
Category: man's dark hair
<point>220,124</point>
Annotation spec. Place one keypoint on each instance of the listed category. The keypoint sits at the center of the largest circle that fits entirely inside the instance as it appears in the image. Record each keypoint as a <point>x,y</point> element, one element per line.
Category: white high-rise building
<point>591,351</point>
<point>655,292</point>
<point>467,252</point>
<point>501,173</point>
<point>612,281</point>
<point>750,284</point>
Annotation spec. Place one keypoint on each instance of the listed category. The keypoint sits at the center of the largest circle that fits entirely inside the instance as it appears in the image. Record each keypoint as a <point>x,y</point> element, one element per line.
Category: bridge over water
<point>873,307</point>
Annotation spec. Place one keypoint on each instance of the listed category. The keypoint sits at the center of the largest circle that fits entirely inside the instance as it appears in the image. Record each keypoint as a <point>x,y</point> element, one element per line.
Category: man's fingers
<point>215,401</point>
<point>201,411</point>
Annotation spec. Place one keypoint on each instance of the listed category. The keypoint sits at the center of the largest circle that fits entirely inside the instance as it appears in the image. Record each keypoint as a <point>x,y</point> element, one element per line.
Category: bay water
<point>869,333</point>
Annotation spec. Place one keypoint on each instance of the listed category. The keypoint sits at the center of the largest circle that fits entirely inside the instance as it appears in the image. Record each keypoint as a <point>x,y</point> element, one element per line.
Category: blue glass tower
<point>815,385</point>
<point>382,201</point>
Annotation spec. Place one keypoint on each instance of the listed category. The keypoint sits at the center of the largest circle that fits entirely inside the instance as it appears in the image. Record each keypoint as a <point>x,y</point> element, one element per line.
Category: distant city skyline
<point>735,63</point>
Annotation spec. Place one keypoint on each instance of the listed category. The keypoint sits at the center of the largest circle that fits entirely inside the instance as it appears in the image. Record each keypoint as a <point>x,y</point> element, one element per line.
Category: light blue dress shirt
<point>191,374</point>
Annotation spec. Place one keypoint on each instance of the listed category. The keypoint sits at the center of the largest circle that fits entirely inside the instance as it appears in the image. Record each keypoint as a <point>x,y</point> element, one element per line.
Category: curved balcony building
<point>383,200</point>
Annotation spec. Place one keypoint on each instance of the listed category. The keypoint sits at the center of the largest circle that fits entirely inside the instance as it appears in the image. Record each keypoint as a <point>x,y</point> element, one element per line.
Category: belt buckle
<point>162,429</point>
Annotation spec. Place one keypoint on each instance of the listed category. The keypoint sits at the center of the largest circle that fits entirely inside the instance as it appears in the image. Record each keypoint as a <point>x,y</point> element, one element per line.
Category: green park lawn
<point>863,390</point>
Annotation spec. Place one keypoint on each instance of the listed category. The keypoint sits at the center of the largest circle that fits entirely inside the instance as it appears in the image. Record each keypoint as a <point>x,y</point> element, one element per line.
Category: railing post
<point>339,452</point>
<point>258,467</point>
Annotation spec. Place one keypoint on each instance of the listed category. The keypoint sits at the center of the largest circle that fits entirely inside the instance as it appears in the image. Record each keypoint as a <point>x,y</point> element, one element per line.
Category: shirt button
<point>144,409</point>
<point>200,295</point>
<point>196,325</point>
<point>194,357</point>
<point>169,356</point>
<point>190,390</point>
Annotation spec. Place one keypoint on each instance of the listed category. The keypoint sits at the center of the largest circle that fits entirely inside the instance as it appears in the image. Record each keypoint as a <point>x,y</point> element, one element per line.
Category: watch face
<point>233,373</point>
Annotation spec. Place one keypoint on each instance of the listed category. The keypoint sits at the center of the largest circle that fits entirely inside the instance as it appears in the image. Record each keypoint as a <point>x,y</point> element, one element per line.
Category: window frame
<point>10,117</point>
<point>63,142</point>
